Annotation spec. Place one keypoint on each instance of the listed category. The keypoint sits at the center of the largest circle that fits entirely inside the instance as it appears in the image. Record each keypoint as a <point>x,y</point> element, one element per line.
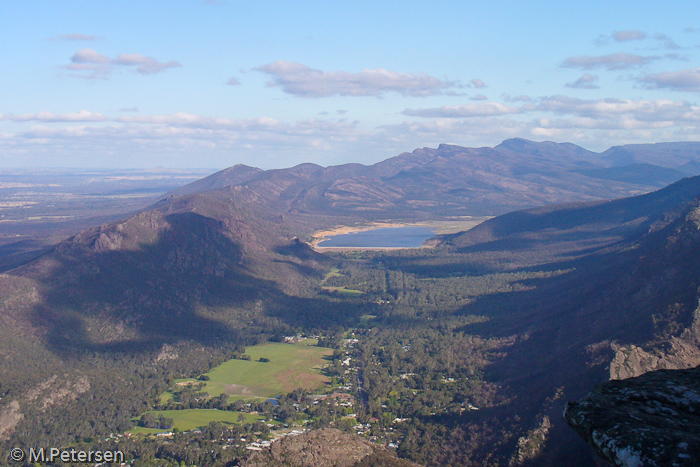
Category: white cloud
<point>86,138</point>
<point>182,119</point>
<point>145,65</point>
<point>179,139</point>
<point>520,98</point>
<point>626,36</point>
<point>586,81</point>
<point>89,56</point>
<point>486,131</point>
<point>487,109</point>
<point>618,61</point>
<point>623,113</point>
<point>102,66</point>
<point>593,123</point>
<point>300,80</point>
<point>595,132</point>
<point>684,80</point>
<point>621,36</point>
<point>666,41</point>
<point>45,116</point>
<point>477,83</point>
<point>74,37</point>
<point>479,97</point>
<point>233,82</point>
<point>572,113</point>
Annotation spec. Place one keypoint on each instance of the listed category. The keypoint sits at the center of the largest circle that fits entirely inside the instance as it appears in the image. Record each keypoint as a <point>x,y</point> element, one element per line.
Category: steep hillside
<point>163,273</point>
<point>623,300</point>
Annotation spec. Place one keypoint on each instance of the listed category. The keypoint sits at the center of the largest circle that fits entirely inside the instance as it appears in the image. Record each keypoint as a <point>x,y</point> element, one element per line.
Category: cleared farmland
<point>291,366</point>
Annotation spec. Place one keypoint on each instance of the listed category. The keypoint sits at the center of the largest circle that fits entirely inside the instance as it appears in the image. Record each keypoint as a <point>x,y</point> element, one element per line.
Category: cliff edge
<point>651,420</point>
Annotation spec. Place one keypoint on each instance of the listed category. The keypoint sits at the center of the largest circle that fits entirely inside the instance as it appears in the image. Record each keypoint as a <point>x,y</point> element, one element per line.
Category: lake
<point>388,237</point>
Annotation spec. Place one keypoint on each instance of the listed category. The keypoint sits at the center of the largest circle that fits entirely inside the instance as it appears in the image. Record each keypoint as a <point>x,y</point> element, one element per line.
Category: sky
<point>214,83</point>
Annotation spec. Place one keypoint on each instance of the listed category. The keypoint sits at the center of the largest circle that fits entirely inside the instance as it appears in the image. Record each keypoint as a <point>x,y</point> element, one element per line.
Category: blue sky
<point>273,84</point>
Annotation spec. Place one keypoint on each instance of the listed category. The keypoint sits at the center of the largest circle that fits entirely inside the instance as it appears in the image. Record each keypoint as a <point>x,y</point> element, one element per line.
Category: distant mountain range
<point>456,181</point>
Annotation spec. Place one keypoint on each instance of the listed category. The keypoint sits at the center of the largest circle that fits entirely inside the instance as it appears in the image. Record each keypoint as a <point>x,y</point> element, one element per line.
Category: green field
<point>191,419</point>
<point>334,272</point>
<point>291,366</point>
<point>343,290</point>
<point>365,319</point>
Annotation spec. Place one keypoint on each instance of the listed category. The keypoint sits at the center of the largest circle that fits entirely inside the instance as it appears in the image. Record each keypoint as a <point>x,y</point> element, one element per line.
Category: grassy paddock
<point>291,366</point>
<point>365,319</point>
<point>334,272</point>
<point>192,419</point>
<point>343,290</point>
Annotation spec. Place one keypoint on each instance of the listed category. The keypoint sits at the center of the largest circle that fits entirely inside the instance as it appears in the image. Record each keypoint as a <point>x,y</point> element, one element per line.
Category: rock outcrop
<point>325,448</point>
<point>651,420</point>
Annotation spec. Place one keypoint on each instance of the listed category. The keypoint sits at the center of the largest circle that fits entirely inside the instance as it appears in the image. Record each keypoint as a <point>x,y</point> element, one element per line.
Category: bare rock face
<point>682,352</point>
<point>651,420</point>
<point>10,416</point>
<point>325,448</point>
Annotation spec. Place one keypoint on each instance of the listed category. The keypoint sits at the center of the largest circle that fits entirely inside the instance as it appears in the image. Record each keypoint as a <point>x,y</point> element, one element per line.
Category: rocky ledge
<point>651,420</point>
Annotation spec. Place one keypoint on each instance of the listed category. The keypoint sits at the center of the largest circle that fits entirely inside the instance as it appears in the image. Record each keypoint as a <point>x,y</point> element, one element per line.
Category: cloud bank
<point>75,37</point>
<point>45,116</point>
<point>302,81</point>
<point>487,109</point>
<point>618,61</point>
<point>586,81</point>
<point>684,80</point>
<point>101,66</point>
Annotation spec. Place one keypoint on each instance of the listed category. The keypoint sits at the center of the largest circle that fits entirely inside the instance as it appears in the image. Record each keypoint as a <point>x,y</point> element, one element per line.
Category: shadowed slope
<point>189,269</point>
<point>620,309</point>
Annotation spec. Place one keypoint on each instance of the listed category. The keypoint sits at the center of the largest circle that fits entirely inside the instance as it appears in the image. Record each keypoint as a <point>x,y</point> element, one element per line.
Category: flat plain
<point>44,206</point>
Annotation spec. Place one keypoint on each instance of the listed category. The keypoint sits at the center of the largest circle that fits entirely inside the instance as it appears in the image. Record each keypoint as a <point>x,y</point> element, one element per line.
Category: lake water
<point>389,237</point>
